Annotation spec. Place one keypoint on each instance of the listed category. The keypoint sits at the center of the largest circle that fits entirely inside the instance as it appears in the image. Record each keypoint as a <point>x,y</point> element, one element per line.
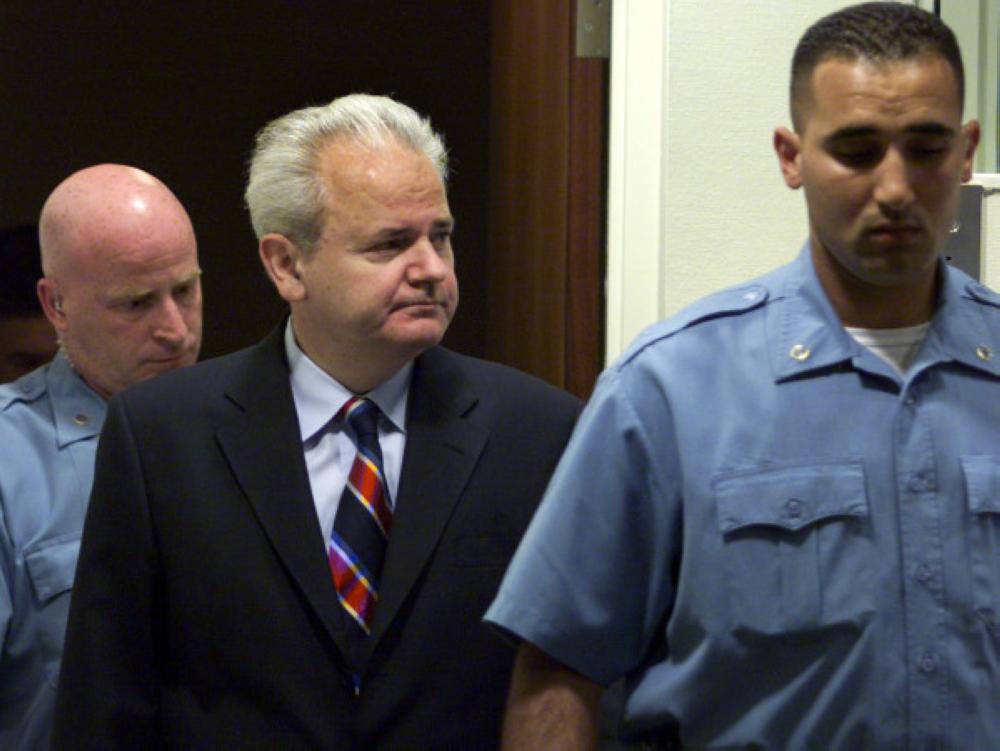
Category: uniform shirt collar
<point>961,330</point>
<point>319,397</point>
<point>803,329</point>
<point>78,410</point>
<point>807,335</point>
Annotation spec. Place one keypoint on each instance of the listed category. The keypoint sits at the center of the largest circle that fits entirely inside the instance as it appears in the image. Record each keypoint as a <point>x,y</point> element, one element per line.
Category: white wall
<point>696,201</point>
<point>976,23</point>
<point>991,228</point>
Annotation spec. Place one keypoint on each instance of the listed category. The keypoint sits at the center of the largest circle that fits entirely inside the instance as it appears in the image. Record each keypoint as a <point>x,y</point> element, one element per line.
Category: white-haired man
<point>121,288</point>
<point>292,546</point>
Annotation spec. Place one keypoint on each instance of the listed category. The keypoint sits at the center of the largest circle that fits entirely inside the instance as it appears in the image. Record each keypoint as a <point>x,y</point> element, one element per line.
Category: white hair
<point>284,192</point>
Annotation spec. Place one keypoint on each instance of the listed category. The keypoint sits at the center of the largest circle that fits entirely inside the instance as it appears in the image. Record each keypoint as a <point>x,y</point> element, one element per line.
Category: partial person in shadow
<point>27,339</point>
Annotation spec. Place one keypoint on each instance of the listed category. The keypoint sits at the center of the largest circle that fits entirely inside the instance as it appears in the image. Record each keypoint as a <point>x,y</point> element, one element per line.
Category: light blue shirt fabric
<point>779,540</point>
<point>49,424</point>
<point>330,447</point>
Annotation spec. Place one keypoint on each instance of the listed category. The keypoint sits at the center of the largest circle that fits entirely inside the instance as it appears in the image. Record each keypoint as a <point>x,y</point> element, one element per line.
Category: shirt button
<point>799,352</point>
<point>793,508</point>
<point>924,573</point>
<point>928,664</point>
<point>984,353</point>
<point>918,483</point>
<point>910,399</point>
<point>81,419</point>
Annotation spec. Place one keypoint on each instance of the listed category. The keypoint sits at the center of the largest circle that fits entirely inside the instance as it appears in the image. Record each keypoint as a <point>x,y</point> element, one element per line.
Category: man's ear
<point>971,133</point>
<point>52,304</point>
<point>283,260</point>
<point>788,147</point>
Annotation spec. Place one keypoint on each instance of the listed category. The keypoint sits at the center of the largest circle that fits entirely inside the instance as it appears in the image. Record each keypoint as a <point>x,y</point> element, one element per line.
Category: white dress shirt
<point>328,444</point>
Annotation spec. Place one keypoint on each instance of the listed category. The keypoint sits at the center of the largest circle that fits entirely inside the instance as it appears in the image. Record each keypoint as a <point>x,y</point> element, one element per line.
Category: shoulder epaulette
<point>25,389</point>
<point>983,294</point>
<point>723,303</point>
<point>727,302</point>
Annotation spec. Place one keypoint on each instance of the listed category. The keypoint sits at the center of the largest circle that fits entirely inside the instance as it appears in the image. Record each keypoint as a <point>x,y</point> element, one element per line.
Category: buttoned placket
<point>921,521</point>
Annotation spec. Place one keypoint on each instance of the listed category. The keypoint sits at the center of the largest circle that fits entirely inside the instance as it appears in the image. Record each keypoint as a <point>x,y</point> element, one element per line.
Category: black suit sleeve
<point>109,684</point>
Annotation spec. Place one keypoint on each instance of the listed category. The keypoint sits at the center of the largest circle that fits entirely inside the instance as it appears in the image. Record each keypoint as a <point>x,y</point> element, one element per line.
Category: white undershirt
<point>898,347</point>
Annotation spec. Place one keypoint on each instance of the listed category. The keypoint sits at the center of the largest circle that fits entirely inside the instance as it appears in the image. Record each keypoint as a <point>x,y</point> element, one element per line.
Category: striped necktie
<point>361,526</point>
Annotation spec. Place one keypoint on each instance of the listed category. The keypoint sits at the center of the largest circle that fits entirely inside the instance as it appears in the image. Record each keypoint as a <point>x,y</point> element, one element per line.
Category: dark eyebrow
<point>931,129</point>
<point>854,131</point>
<point>864,131</point>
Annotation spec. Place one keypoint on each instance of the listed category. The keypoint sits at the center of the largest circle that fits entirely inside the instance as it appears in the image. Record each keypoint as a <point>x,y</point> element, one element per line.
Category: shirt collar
<point>319,397</point>
<point>803,329</point>
<point>960,331</point>
<point>77,409</point>
<point>807,335</point>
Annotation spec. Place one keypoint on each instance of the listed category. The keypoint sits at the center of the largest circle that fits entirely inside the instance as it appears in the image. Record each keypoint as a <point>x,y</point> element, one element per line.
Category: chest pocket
<point>797,547</point>
<point>51,566</point>
<point>982,491</point>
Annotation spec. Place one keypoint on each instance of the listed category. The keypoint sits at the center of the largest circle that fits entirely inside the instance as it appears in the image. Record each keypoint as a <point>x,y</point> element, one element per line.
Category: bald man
<point>122,289</point>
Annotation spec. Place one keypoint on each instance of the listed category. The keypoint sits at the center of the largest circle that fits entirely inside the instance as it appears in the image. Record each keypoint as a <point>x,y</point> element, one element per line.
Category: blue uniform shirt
<point>776,538</point>
<point>49,424</point>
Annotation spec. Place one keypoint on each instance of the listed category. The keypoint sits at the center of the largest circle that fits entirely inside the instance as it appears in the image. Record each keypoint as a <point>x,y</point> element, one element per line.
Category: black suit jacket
<point>204,613</point>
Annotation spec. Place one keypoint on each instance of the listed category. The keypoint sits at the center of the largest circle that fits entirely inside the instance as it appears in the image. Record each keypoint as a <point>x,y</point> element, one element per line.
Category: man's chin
<point>891,266</point>
<point>161,365</point>
<point>416,338</point>
<point>895,275</point>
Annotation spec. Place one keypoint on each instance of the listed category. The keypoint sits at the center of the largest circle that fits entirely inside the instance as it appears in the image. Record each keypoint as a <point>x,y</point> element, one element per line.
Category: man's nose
<point>170,326</point>
<point>893,188</point>
<point>428,263</point>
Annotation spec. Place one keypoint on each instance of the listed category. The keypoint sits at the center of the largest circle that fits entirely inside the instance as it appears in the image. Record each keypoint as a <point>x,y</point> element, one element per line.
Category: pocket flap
<point>982,483</point>
<point>790,497</point>
<point>52,565</point>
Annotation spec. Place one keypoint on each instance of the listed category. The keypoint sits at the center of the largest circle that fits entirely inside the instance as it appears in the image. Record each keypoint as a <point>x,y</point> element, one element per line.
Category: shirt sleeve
<point>6,566</point>
<point>592,582</point>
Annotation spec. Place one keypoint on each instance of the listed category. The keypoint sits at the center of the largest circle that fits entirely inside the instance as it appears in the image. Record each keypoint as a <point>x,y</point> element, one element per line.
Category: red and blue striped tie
<point>361,527</point>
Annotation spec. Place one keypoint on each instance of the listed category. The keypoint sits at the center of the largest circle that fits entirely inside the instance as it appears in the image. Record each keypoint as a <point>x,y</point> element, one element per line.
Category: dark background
<point>180,88</point>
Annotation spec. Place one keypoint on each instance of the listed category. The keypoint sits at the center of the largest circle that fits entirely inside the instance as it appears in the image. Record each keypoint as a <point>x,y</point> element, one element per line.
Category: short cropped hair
<point>20,269</point>
<point>883,32</point>
<point>284,192</point>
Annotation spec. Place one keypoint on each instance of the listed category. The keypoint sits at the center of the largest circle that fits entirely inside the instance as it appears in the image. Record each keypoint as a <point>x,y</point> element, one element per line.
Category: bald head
<point>121,281</point>
<point>103,211</point>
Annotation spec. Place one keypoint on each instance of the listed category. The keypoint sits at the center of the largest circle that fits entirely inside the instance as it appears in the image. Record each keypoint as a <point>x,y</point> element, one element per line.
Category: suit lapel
<point>263,445</point>
<point>442,448</point>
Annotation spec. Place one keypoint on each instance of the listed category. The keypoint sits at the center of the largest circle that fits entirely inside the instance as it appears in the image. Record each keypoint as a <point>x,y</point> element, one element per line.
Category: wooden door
<point>546,224</point>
